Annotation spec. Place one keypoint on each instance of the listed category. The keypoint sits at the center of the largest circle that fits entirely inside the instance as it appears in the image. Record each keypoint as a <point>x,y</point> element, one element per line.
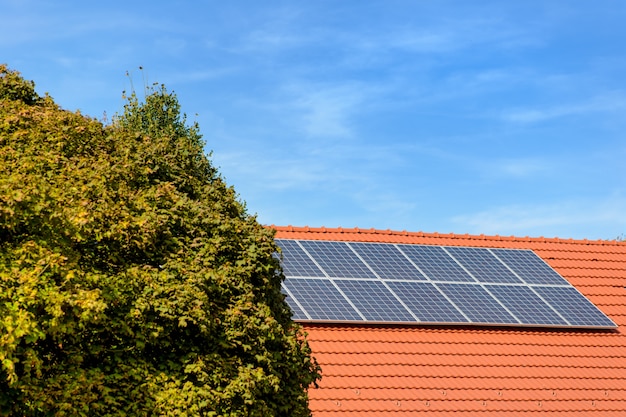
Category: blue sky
<point>494,117</point>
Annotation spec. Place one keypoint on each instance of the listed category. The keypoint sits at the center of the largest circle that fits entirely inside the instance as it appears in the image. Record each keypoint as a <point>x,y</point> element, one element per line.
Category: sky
<point>480,117</point>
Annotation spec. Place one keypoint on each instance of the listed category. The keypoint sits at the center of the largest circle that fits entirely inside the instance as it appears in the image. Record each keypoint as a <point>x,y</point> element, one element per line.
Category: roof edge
<point>466,236</point>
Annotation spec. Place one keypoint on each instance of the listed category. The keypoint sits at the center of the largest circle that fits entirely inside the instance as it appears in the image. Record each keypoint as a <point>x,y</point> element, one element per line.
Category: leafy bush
<point>132,280</point>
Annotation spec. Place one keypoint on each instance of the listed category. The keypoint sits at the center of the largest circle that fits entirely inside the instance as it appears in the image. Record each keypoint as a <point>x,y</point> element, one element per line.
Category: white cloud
<point>272,172</point>
<point>519,167</point>
<point>610,102</point>
<point>326,110</point>
<point>599,219</point>
<point>194,76</point>
<point>327,113</point>
<point>426,41</point>
<point>452,33</point>
<point>267,40</point>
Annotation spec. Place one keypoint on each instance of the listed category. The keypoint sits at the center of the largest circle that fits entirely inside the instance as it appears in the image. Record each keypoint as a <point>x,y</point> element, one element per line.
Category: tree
<point>132,280</point>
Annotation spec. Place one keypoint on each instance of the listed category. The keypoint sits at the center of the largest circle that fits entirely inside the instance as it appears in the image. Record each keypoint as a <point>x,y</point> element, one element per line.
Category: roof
<point>443,370</point>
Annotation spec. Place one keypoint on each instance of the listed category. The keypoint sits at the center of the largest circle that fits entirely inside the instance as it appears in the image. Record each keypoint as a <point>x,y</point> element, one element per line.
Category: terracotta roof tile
<point>443,371</point>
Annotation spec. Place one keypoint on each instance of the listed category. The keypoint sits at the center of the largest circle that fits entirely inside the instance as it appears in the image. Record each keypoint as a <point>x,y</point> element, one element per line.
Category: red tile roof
<point>442,371</point>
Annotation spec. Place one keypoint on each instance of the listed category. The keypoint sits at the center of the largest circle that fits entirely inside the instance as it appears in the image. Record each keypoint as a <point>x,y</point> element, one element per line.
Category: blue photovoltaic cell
<point>297,312</point>
<point>374,301</point>
<point>387,261</point>
<point>483,265</point>
<point>477,304</point>
<point>436,263</point>
<point>321,299</point>
<point>530,267</point>
<point>337,259</point>
<point>526,305</point>
<point>426,302</point>
<point>572,305</point>
<point>295,262</point>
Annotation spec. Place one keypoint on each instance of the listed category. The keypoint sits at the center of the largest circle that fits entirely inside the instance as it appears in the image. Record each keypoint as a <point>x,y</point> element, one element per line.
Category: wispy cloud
<point>268,31</point>
<point>198,75</point>
<point>266,40</point>
<point>270,172</point>
<point>600,219</point>
<point>327,111</point>
<point>518,168</point>
<point>610,102</point>
<point>317,109</point>
<point>455,32</point>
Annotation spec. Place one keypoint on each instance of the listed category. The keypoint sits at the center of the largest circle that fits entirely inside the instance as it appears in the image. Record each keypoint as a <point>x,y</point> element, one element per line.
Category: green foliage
<point>14,87</point>
<point>132,280</point>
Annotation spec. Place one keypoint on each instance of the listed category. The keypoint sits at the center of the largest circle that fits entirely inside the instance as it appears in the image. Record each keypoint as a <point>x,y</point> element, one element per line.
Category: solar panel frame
<point>356,283</point>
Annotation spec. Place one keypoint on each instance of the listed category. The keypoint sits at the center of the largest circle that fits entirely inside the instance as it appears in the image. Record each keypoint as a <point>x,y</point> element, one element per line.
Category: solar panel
<point>477,304</point>
<point>337,259</point>
<point>576,309</point>
<point>321,299</point>
<point>526,305</point>
<point>436,263</point>
<point>297,313</point>
<point>401,283</point>
<point>375,301</point>
<point>387,261</point>
<point>426,302</point>
<point>296,263</point>
<point>528,266</point>
<point>483,265</point>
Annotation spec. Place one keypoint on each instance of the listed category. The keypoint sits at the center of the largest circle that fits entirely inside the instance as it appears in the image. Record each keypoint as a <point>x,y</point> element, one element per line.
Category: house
<point>456,369</point>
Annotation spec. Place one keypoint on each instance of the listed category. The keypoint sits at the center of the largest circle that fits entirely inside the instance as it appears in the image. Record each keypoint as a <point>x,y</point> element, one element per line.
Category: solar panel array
<point>330,281</point>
